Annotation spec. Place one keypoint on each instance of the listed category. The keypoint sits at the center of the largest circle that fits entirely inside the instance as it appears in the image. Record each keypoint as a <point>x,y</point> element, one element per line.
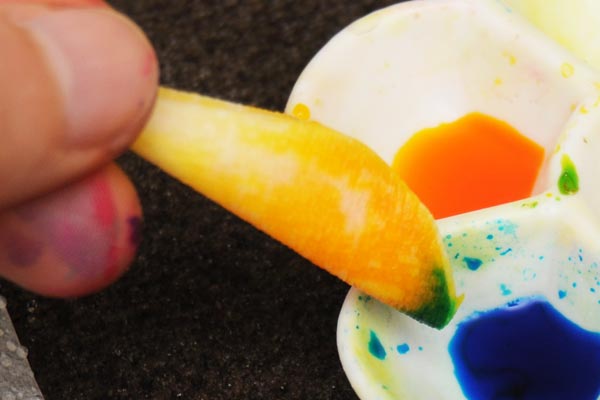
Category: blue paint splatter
<point>403,348</point>
<point>489,237</point>
<point>507,227</point>
<point>562,294</point>
<point>505,290</point>
<point>376,348</point>
<point>505,252</point>
<point>473,263</point>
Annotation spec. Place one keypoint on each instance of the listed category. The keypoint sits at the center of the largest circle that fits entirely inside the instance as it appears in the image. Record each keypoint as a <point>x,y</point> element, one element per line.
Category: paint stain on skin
<point>22,251</point>
<point>149,64</point>
<point>89,248</point>
<point>135,230</point>
<point>80,225</point>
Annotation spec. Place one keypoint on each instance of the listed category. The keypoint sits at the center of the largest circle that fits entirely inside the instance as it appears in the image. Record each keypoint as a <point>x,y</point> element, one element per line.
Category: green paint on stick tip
<point>441,308</point>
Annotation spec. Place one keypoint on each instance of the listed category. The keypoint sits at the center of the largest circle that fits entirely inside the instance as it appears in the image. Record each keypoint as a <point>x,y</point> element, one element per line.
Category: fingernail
<point>106,69</point>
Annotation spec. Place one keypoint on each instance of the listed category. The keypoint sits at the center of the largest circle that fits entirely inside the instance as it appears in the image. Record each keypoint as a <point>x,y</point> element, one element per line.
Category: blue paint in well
<point>403,348</point>
<point>376,348</point>
<point>473,263</point>
<point>526,351</point>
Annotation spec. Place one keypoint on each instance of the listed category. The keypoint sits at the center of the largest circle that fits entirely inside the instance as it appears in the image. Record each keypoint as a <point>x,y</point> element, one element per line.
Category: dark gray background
<point>212,308</point>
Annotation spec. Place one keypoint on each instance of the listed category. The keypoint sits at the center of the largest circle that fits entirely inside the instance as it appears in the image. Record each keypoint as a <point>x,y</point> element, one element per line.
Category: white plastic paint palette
<point>423,63</point>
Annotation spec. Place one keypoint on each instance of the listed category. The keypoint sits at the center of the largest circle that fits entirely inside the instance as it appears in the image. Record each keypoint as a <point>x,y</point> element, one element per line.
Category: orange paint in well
<point>472,163</point>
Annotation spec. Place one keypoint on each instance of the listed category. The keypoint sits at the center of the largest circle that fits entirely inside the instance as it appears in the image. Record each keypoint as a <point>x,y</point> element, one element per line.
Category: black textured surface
<point>211,309</point>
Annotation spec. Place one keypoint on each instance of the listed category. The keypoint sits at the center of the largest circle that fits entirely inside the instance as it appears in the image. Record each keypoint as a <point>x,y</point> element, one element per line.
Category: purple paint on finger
<point>135,230</point>
<point>80,225</point>
<point>22,251</point>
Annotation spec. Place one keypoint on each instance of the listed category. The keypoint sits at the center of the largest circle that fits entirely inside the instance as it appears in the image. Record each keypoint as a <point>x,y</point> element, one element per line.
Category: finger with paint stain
<point>73,241</point>
<point>70,103</point>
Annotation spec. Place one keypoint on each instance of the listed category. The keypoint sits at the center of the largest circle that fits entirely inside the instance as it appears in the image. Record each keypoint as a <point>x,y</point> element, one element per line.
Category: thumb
<point>77,85</point>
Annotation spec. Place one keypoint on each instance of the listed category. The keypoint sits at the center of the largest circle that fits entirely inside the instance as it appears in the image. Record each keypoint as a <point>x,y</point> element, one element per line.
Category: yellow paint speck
<point>567,70</point>
<point>573,107</point>
<point>556,149</point>
<point>512,60</point>
<point>498,81</point>
<point>301,111</point>
<point>583,110</point>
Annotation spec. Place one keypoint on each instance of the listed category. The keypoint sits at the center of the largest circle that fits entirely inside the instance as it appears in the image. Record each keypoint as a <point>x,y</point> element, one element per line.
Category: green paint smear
<point>533,204</point>
<point>440,310</point>
<point>568,182</point>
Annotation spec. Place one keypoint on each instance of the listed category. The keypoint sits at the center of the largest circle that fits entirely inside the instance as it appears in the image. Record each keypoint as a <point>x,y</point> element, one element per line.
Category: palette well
<point>427,64</point>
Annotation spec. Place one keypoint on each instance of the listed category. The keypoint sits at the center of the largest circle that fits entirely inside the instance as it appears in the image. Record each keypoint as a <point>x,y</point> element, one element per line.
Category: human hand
<point>78,82</point>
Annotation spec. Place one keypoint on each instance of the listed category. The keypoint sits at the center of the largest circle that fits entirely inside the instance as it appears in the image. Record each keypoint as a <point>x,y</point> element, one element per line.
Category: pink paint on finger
<point>149,64</point>
<point>83,226</point>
